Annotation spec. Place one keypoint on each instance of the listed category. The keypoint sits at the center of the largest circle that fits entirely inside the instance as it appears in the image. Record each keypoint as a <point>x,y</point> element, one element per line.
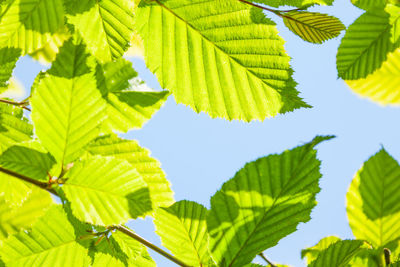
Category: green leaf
<point>383,85</point>
<point>148,167</point>
<point>106,191</point>
<point>373,202</point>
<point>264,202</point>
<point>369,4</point>
<point>311,26</point>
<point>183,230</point>
<point>136,252</point>
<point>129,106</point>
<point>106,26</point>
<point>338,254</point>
<point>53,241</point>
<point>14,127</point>
<point>29,24</point>
<point>8,59</point>
<point>312,253</point>
<point>122,251</point>
<point>28,159</point>
<point>14,219</point>
<point>67,107</point>
<point>49,51</point>
<point>12,190</point>
<point>365,45</point>
<point>295,3</point>
<point>240,71</point>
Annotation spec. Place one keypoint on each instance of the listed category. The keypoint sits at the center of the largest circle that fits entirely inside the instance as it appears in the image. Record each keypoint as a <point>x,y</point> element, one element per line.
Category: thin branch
<point>24,178</point>
<point>128,232</point>
<point>122,229</point>
<point>275,11</point>
<point>18,104</point>
<point>266,260</point>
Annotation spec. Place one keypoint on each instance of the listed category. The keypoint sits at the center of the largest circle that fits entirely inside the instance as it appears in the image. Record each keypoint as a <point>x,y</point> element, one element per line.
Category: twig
<point>267,261</point>
<point>122,229</point>
<point>128,232</point>
<point>277,12</point>
<point>18,104</point>
<point>24,178</point>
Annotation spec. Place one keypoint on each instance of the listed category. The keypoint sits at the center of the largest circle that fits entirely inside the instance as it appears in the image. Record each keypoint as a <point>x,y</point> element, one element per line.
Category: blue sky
<point>198,153</point>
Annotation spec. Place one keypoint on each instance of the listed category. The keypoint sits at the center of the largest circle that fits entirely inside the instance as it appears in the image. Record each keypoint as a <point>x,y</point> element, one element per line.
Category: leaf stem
<point>128,232</point>
<point>18,104</point>
<point>266,260</point>
<point>42,185</point>
<point>122,229</point>
<point>275,11</point>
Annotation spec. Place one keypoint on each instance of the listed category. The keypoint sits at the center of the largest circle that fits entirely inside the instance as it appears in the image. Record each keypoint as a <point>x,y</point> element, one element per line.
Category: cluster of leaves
<point>373,210</point>
<point>368,57</point>
<point>223,57</point>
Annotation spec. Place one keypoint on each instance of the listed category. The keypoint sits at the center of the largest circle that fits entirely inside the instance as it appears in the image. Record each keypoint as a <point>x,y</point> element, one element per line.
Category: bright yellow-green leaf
<point>67,107</point>
<point>13,219</point>
<point>148,167</point>
<point>48,52</point>
<point>106,191</point>
<point>29,24</point>
<point>53,241</point>
<point>106,26</point>
<point>373,202</point>
<point>311,26</point>
<point>224,58</point>
<point>130,103</point>
<point>182,228</point>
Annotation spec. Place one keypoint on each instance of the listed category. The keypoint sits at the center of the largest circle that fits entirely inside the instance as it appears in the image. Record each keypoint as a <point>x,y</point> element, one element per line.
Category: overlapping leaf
<point>365,45</point>
<point>53,241</point>
<point>263,203</point>
<point>14,219</point>
<point>382,86</point>
<point>28,159</point>
<point>67,107</point>
<point>183,230</point>
<point>29,24</point>
<point>106,191</point>
<point>121,251</point>
<point>241,70</point>
<point>338,254</point>
<point>136,252</point>
<point>130,102</point>
<point>14,127</point>
<point>106,26</point>
<point>312,253</point>
<point>369,4</point>
<point>373,202</point>
<point>48,52</point>
<point>148,167</point>
<point>311,26</point>
<point>8,59</point>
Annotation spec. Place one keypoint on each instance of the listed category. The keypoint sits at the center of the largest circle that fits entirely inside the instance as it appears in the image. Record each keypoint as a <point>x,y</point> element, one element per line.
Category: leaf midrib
<point>279,92</point>
<point>264,215</point>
